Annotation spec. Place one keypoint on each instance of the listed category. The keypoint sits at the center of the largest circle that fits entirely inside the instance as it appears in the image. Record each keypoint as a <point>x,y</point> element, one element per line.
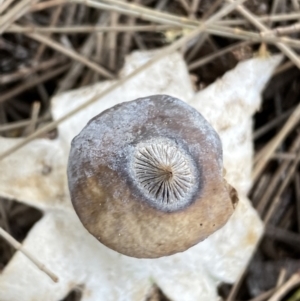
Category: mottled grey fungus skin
<point>145,177</point>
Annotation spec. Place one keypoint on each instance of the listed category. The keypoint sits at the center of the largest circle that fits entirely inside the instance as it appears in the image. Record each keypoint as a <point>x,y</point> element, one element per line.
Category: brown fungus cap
<point>146,177</point>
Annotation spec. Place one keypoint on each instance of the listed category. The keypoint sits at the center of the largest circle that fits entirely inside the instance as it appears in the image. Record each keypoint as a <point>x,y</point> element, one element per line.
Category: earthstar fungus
<point>146,177</point>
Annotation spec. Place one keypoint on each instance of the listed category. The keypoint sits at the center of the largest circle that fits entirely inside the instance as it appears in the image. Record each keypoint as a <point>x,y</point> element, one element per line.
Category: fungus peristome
<point>146,177</point>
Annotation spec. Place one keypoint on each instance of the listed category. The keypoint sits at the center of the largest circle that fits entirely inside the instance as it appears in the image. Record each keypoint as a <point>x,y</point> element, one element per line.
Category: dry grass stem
<point>72,8</point>
<point>141,12</point>
<point>277,197</point>
<point>284,48</point>
<point>264,296</point>
<point>182,20</point>
<point>34,118</point>
<point>76,68</point>
<point>282,68</point>
<point>32,83</point>
<point>274,9</point>
<point>193,8</point>
<point>20,124</point>
<point>203,38</point>
<point>211,29</point>
<point>168,19</point>
<point>272,124</point>
<point>186,5</point>
<point>276,178</point>
<point>285,30</point>
<point>4,5</point>
<point>112,42</point>
<point>214,6</point>
<point>91,29</point>
<point>145,13</point>
<point>281,277</point>
<point>292,121</point>
<point>4,217</point>
<point>238,283</point>
<point>54,19</point>
<point>26,71</point>
<point>127,37</point>
<point>168,50</point>
<point>270,148</point>
<point>150,12</point>
<point>237,33</point>
<point>31,257</point>
<point>14,13</point>
<point>209,58</point>
<point>137,8</point>
<point>236,286</point>
<point>283,156</point>
<point>260,188</point>
<point>100,40</point>
<point>165,18</point>
<point>282,235</point>
<point>296,5</point>
<point>69,52</point>
<point>48,4</point>
<point>264,19</point>
<point>286,287</point>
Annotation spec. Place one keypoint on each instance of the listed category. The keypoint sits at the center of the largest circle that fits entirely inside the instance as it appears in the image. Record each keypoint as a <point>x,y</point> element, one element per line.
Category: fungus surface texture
<point>146,177</point>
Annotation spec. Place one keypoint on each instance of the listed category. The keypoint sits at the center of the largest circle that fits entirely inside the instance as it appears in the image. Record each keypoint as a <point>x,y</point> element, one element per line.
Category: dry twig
<point>275,142</point>
<point>69,52</point>
<point>284,48</point>
<point>31,257</point>
<point>286,287</point>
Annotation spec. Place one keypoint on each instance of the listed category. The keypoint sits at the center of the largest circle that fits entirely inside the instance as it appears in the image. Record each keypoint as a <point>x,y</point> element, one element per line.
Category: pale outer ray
<point>61,242</point>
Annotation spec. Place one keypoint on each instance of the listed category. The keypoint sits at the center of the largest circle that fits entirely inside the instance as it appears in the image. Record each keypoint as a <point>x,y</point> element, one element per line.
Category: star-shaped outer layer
<point>36,175</point>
